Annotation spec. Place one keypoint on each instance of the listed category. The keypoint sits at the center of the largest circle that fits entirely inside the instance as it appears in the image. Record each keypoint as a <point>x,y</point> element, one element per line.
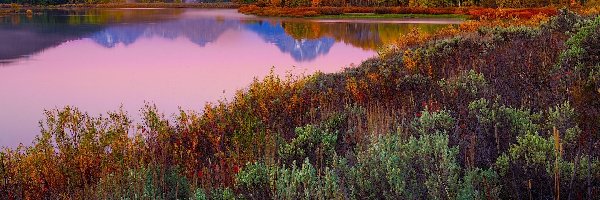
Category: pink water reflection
<point>168,72</point>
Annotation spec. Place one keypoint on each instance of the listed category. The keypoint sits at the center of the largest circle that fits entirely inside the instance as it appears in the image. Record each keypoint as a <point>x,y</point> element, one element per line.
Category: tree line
<point>416,3</point>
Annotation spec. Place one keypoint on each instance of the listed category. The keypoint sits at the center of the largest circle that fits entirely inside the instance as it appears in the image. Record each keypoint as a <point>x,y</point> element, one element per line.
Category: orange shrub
<point>525,13</point>
<point>331,11</point>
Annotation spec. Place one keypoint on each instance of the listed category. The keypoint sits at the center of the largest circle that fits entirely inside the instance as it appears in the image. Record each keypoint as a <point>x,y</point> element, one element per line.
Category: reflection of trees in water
<point>23,35</point>
<point>301,49</point>
<point>367,36</point>
<point>304,40</point>
<point>200,31</point>
<point>91,17</point>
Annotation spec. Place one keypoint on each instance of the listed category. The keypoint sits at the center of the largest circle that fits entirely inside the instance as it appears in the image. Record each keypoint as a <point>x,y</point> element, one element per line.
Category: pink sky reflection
<point>169,73</point>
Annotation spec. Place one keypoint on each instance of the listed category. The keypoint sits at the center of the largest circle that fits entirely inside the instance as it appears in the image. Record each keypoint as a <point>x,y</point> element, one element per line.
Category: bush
<point>480,184</point>
<point>524,4</point>
<point>584,52</point>
<point>150,182</point>
<point>413,168</point>
<point>383,10</point>
<point>253,181</point>
<point>222,194</point>
<point>313,143</point>
<point>303,182</point>
<point>331,11</point>
<point>430,122</point>
<point>199,194</point>
<point>470,84</point>
<point>565,21</point>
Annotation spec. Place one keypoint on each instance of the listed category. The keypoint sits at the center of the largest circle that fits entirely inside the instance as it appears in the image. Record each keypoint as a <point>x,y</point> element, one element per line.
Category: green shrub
<point>563,117</point>
<point>564,21</point>
<point>304,183</point>
<point>534,150</point>
<point>480,184</point>
<point>313,143</point>
<point>413,168</point>
<point>433,122</point>
<point>199,194</point>
<point>253,181</point>
<point>258,181</point>
<point>583,53</point>
<point>144,183</point>
<point>467,83</point>
<point>222,194</point>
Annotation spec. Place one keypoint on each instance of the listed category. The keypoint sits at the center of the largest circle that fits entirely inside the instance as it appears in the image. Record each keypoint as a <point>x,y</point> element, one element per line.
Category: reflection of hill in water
<point>22,36</point>
<point>364,35</point>
<point>17,43</point>
<point>205,30</point>
<point>300,49</point>
<point>199,31</point>
<point>358,34</point>
<point>304,40</point>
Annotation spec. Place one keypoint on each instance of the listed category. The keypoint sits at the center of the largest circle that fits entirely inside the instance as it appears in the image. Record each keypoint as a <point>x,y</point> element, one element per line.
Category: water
<point>99,60</point>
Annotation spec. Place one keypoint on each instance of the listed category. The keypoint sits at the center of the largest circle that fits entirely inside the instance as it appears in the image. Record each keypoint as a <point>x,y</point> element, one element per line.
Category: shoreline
<point>398,12</point>
<point>122,5</point>
<point>463,13</point>
<point>390,16</point>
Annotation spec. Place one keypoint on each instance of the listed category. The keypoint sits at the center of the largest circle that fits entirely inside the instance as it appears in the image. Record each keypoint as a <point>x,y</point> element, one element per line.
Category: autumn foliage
<point>471,12</point>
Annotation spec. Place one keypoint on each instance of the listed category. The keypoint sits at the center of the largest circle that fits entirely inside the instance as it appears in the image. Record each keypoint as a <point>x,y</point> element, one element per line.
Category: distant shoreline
<point>397,12</point>
<point>8,9</point>
<point>126,5</point>
<point>391,16</point>
<point>348,12</point>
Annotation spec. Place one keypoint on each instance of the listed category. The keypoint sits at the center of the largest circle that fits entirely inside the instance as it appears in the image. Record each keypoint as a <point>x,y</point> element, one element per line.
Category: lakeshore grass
<point>391,16</point>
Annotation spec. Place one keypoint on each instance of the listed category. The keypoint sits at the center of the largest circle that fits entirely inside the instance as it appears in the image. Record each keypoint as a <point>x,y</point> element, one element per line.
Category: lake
<point>99,60</point>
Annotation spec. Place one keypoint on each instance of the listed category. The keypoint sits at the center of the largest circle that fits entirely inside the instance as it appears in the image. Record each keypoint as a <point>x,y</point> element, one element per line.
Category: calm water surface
<point>99,60</point>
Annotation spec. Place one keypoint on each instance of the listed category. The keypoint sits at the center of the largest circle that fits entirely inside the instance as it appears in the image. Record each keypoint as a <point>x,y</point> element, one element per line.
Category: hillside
<point>492,110</point>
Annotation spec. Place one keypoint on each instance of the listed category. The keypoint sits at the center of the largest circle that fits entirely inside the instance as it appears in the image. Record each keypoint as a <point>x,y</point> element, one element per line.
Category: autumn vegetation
<point>474,9</point>
<point>417,3</point>
<point>489,110</point>
<point>469,12</point>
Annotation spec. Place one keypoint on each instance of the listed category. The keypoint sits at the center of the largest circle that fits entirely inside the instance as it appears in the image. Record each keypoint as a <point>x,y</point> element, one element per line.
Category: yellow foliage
<point>409,62</point>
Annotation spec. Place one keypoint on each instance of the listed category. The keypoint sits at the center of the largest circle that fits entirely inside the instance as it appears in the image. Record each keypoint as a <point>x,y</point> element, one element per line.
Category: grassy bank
<point>121,5</point>
<point>489,110</point>
<point>156,5</point>
<point>376,12</point>
<point>389,16</point>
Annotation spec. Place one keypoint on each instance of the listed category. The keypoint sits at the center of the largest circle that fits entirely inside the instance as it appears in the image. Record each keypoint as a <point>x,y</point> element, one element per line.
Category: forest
<point>490,109</point>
